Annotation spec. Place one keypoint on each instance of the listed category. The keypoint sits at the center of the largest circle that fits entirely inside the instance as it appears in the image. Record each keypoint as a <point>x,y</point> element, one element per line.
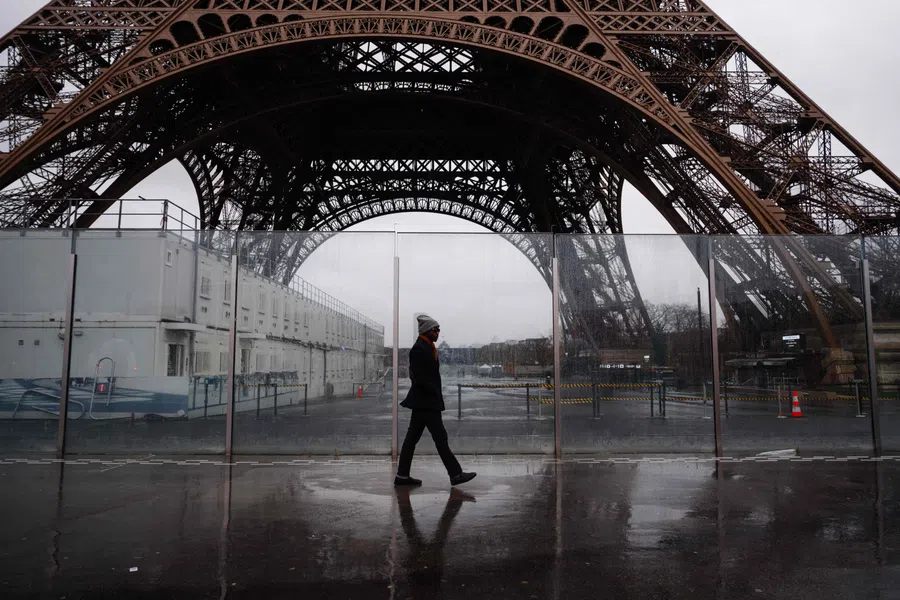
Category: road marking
<point>127,462</point>
<point>499,459</point>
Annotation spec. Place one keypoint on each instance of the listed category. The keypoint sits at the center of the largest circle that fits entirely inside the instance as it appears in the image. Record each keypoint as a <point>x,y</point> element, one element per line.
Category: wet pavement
<point>670,527</point>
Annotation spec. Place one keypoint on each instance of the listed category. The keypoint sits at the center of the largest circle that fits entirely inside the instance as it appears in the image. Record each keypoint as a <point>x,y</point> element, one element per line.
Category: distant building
<point>154,312</point>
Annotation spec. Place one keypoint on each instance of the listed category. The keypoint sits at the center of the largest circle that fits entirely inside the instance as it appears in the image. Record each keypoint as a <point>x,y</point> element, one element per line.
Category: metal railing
<point>125,213</point>
<point>656,390</point>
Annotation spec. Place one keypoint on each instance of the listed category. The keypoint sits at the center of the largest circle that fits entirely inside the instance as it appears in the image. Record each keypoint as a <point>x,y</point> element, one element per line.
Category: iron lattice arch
<point>522,115</point>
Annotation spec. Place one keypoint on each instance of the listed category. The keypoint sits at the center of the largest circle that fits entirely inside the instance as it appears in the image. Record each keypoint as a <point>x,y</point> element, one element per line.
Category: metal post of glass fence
<point>395,375</point>
<point>714,350</point>
<point>652,399</point>
<point>458,402</point>
<point>870,354</point>
<point>205,397</point>
<point>594,399</point>
<point>232,349</point>
<point>67,358</point>
<point>557,364</point>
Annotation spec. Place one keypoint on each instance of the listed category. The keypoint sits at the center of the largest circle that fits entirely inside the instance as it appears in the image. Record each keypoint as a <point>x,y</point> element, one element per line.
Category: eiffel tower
<point>520,115</point>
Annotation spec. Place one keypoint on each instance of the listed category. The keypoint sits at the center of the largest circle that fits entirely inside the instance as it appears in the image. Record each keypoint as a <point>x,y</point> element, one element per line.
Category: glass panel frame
<point>882,255</point>
<point>33,299</point>
<point>792,326</point>
<point>143,322</point>
<point>312,372</point>
<point>116,268</point>
<point>636,359</point>
<point>489,291</point>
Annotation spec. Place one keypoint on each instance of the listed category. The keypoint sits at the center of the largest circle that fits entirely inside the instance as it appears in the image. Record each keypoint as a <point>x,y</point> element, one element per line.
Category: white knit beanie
<point>426,323</point>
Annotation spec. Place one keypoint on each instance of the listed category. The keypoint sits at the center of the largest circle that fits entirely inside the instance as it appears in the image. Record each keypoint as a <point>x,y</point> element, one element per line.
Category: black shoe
<point>461,478</point>
<point>409,481</point>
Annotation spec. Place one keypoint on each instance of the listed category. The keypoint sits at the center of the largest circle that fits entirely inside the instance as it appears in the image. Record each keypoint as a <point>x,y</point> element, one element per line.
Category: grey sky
<point>482,289</point>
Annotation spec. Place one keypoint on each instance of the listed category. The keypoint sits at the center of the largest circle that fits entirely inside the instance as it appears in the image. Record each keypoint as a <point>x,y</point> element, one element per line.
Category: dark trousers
<point>417,424</point>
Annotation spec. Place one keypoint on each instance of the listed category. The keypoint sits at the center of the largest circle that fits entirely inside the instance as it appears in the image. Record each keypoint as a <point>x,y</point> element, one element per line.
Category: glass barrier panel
<point>636,362</point>
<point>34,269</point>
<point>313,370</point>
<point>792,344</point>
<point>883,255</point>
<point>491,295</point>
<point>149,357</point>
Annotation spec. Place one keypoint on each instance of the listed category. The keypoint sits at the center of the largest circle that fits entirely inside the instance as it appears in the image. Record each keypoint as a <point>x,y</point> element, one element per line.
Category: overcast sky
<point>840,53</point>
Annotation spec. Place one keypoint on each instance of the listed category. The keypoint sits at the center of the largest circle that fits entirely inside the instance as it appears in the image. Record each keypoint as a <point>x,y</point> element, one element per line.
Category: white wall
<point>118,275</point>
<point>33,273</point>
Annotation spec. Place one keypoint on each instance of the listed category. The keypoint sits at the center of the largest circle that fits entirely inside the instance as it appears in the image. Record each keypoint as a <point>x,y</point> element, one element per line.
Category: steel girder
<point>678,62</point>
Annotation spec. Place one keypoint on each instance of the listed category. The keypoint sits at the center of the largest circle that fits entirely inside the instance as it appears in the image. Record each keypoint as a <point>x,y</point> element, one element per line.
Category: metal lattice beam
<point>522,115</point>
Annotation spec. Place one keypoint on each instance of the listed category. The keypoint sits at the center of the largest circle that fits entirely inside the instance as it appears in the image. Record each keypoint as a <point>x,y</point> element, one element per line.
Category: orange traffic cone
<point>359,392</point>
<point>795,406</point>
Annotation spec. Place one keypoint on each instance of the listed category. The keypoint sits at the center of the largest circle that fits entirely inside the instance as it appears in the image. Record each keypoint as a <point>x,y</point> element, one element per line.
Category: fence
<point>676,343</point>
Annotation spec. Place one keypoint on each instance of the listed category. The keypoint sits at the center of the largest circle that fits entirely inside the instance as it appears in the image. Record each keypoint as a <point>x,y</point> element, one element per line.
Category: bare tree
<point>679,339</point>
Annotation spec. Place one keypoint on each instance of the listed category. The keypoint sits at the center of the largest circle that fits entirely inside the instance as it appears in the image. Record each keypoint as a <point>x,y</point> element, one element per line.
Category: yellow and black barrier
<point>587,400</point>
<point>598,399</point>
<point>569,401</point>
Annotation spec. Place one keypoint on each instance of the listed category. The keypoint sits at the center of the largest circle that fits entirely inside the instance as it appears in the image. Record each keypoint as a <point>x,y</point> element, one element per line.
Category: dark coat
<point>425,373</point>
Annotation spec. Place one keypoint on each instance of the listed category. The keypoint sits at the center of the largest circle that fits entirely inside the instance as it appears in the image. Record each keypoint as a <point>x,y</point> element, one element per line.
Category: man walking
<point>426,399</point>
